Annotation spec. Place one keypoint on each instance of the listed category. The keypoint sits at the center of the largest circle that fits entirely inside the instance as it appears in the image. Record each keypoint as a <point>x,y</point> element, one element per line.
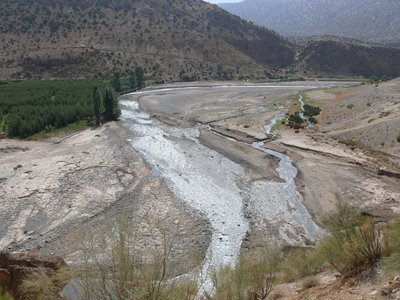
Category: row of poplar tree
<point>105,108</point>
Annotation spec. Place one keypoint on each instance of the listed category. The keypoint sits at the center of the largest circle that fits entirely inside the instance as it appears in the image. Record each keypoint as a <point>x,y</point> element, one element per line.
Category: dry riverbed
<point>186,166</point>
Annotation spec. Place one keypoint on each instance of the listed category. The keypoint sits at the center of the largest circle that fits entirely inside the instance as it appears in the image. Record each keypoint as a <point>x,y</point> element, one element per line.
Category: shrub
<point>353,144</point>
<point>309,282</point>
<point>310,111</point>
<point>295,121</point>
<point>42,285</point>
<point>398,138</point>
<point>300,263</point>
<point>253,278</point>
<point>391,264</point>
<point>355,243</point>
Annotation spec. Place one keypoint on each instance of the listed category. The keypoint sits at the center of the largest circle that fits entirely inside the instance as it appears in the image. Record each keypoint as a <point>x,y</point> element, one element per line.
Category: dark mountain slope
<point>170,38</point>
<point>331,56</point>
<point>369,20</point>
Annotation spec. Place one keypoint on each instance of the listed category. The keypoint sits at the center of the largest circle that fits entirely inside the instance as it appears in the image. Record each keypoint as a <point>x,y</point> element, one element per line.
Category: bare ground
<point>53,192</point>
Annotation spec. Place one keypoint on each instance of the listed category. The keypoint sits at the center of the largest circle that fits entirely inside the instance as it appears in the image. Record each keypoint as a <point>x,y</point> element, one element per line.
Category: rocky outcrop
<point>16,267</point>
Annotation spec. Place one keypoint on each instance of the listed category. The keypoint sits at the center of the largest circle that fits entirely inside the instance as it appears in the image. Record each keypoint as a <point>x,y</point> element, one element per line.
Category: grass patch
<point>391,263</point>
<point>4,296</point>
<point>69,129</point>
<point>278,126</point>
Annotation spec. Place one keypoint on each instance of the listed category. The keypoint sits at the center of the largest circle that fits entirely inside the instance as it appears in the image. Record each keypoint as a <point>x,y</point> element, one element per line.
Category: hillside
<point>368,20</point>
<point>332,56</point>
<point>170,38</point>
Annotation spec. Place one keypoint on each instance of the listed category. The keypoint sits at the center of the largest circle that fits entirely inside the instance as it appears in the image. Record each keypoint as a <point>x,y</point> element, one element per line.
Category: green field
<point>31,107</point>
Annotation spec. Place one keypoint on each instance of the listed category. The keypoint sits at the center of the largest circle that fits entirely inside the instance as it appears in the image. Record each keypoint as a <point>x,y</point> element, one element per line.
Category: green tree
<point>97,105</point>
<point>140,78</point>
<point>116,82</point>
<point>132,80</point>
<point>14,125</point>
<point>110,106</point>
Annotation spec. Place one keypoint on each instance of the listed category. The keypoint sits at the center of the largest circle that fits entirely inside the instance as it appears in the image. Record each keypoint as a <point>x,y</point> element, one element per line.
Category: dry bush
<point>309,282</point>
<point>44,285</point>
<point>113,271</point>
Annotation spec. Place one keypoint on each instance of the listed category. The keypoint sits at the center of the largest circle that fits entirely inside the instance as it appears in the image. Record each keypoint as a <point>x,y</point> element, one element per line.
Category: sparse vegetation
<point>353,144</point>
<point>113,270</point>
<point>252,278</point>
<point>355,246</point>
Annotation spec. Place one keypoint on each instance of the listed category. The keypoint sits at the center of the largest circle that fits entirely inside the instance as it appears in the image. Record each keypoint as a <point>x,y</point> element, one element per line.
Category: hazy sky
<point>223,1</point>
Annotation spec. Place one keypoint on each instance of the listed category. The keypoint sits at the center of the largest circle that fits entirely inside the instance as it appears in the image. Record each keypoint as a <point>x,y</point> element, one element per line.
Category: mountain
<point>170,38</point>
<point>333,56</point>
<point>368,20</point>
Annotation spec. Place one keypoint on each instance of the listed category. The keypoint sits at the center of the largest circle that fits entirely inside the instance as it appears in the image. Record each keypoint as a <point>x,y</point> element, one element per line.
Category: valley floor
<point>204,137</point>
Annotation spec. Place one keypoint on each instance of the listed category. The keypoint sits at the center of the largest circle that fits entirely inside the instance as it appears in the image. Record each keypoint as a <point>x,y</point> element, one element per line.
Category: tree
<point>110,105</point>
<point>14,125</point>
<point>116,82</point>
<point>132,80</point>
<point>97,105</point>
<point>140,78</point>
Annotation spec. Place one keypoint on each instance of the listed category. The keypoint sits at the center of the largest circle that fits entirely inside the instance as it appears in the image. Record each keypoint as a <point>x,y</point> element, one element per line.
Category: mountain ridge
<point>171,39</point>
<point>167,36</point>
<point>368,20</point>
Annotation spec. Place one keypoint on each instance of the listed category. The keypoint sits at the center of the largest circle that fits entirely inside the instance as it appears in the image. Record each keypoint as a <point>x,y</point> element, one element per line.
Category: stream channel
<point>210,183</point>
